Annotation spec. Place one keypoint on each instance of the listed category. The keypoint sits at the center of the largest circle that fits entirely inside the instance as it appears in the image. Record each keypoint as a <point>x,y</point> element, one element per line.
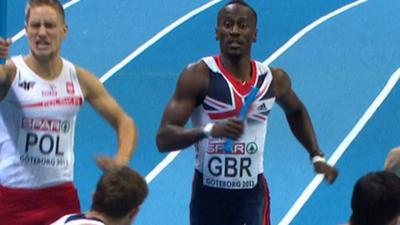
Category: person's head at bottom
<point>392,162</point>
<point>376,199</point>
<point>118,196</point>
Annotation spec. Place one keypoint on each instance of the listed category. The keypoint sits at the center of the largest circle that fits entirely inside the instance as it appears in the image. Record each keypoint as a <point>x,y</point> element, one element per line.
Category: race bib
<point>229,170</point>
<point>42,142</point>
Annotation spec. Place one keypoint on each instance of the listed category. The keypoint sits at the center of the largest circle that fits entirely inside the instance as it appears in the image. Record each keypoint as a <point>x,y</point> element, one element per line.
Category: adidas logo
<point>262,108</point>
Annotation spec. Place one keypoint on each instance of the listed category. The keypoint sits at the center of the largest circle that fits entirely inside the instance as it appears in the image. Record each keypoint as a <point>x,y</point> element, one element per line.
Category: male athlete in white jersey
<point>116,201</point>
<point>229,187</point>
<point>40,96</point>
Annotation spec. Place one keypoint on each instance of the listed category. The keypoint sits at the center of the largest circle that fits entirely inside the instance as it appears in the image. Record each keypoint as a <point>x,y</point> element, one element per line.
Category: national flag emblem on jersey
<point>226,95</point>
<point>217,108</point>
<point>70,87</point>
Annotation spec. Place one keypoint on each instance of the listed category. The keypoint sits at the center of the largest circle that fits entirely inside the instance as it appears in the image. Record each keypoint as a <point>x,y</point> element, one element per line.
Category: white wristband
<point>207,129</point>
<point>318,158</point>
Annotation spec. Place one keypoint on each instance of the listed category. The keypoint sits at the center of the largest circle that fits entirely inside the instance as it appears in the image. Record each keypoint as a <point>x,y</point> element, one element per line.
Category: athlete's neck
<point>105,219</point>
<point>48,69</point>
<point>240,67</point>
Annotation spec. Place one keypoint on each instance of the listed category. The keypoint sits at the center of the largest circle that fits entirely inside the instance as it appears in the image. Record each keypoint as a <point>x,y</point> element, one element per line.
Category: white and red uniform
<point>37,126</point>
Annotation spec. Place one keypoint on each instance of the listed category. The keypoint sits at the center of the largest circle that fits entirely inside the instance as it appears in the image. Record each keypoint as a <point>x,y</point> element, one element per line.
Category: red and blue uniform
<point>229,186</point>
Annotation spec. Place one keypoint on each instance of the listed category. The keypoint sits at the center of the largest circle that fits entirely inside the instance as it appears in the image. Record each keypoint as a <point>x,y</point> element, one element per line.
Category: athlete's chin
<point>234,54</point>
<point>234,50</point>
<point>42,55</point>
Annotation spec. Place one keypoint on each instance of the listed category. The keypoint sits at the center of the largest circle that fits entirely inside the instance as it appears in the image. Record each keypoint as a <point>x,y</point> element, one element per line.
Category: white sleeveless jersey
<point>37,126</point>
<point>77,219</point>
<point>239,168</point>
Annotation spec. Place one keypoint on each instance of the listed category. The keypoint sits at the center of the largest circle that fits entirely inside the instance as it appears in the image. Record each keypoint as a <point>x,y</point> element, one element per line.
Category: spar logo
<point>41,124</point>
<point>252,148</point>
<point>238,148</point>
<point>45,124</point>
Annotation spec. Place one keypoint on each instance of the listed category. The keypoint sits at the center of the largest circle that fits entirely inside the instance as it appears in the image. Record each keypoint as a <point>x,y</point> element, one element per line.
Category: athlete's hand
<point>230,128</point>
<point>107,163</point>
<point>4,46</point>
<point>330,173</point>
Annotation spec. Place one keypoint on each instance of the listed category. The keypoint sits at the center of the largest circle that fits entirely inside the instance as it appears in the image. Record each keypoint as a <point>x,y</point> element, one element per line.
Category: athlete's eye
<point>243,26</point>
<point>50,25</point>
<point>228,24</point>
<point>34,24</point>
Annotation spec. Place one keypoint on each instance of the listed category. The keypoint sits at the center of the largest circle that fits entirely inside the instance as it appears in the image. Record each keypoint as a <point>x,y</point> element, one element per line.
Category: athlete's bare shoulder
<point>7,75</point>
<point>7,72</point>
<point>282,83</point>
<point>193,82</point>
<point>198,67</point>
<point>194,78</point>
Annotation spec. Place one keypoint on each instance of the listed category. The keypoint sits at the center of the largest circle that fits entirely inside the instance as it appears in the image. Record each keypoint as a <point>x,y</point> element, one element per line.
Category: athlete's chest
<point>225,99</point>
<point>33,95</point>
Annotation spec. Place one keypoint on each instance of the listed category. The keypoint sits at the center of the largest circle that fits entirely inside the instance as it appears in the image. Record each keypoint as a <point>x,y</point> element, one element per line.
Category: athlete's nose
<point>234,29</point>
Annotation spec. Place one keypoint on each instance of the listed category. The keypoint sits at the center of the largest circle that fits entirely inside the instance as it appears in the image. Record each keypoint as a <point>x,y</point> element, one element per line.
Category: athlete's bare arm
<point>105,104</point>
<point>299,120</point>
<point>7,71</point>
<point>4,46</point>
<point>189,93</point>
<point>190,89</point>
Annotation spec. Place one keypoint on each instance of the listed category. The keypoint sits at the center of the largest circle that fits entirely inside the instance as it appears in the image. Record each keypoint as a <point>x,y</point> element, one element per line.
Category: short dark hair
<point>118,192</point>
<point>239,2</point>
<point>52,3</point>
<point>376,199</point>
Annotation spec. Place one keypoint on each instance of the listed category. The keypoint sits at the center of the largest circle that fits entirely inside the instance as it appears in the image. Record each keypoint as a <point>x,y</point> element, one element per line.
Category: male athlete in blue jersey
<point>229,187</point>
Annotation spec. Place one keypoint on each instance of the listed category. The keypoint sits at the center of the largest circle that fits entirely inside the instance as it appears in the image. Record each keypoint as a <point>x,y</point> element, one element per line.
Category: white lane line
<point>161,166</point>
<point>364,119</point>
<point>68,4</point>
<point>21,33</point>
<point>308,28</point>
<point>155,38</point>
<point>342,147</point>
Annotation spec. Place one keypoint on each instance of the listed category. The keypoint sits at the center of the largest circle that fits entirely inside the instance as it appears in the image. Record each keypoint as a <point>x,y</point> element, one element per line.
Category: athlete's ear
<point>65,30</point>
<point>255,35</point>
<point>134,212</point>
<point>216,34</point>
